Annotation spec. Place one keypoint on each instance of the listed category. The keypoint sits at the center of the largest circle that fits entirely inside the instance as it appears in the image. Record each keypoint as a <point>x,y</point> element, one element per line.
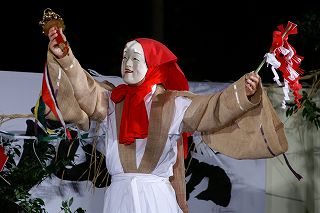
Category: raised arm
<point>215,111</point>
<point>90,94</point>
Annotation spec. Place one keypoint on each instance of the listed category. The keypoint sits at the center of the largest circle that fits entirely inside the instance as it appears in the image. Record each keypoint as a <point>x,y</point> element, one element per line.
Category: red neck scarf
<point>162,69</point>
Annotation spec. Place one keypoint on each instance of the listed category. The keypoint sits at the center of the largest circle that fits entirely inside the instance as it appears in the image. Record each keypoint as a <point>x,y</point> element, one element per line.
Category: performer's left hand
<point>252,81</point>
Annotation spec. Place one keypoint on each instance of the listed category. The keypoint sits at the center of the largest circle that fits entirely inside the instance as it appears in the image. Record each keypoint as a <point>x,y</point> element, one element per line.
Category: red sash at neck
<point>163,69</point>
<point>134,120</point>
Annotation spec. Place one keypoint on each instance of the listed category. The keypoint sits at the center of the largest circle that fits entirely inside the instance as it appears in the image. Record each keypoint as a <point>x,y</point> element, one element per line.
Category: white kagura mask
<point>133,67</point>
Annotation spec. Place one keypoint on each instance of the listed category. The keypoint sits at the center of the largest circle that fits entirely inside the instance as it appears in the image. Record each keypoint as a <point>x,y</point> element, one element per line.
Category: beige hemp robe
<point>228,121</point>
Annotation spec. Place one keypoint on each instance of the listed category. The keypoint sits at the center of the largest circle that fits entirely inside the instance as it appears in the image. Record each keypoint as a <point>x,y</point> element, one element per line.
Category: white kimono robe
<point>136,192</point>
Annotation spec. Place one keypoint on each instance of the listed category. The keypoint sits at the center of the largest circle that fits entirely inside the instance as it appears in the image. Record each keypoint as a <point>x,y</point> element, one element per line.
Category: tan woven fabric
<point>67,102</point>
<point>178,179</point>
<point>215,111</point>
<point>127,153</point>
<point>89,93</point>
<point>235,126</point>
<point>258,133</point>
<point>161,114</point>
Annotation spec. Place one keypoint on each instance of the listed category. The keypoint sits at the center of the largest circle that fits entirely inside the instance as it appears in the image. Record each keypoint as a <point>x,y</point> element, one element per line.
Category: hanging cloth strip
<point>48,97</point>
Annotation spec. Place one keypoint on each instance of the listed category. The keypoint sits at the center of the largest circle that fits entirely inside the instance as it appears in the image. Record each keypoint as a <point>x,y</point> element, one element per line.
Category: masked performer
<point>145,117</point>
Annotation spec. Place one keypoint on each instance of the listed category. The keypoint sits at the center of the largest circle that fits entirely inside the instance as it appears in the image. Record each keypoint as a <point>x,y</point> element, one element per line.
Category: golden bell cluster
<point>50,19</point>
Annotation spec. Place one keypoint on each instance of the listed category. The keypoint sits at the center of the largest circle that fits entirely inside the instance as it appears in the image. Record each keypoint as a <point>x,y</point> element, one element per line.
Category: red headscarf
<point>162,69</point>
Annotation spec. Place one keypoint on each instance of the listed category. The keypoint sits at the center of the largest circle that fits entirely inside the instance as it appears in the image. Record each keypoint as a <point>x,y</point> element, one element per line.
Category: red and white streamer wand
<point>282,56</point>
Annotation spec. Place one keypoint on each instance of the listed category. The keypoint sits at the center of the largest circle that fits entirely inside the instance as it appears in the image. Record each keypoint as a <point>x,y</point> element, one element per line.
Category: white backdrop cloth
<point>19,92</point>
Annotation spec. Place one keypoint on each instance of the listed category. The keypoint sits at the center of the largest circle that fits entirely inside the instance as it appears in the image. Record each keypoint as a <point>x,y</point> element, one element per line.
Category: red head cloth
<point>159,56</point>
<point>162,69</point>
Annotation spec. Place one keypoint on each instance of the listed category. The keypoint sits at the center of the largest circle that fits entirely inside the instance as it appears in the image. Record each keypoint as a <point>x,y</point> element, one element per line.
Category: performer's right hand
<point>53,44</point>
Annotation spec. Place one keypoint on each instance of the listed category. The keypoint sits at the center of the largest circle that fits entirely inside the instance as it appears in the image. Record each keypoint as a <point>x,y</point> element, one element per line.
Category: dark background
<point>213,40</point>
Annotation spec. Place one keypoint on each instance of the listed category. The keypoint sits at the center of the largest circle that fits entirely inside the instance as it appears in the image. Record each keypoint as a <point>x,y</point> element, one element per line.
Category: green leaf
<point>70,201</point>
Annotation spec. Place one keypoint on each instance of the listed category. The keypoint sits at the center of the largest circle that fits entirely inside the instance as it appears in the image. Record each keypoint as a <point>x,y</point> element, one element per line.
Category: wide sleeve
<point>258,133</point>
<point>64,96</point>
<point>89,93</point>
<point>215,111</point>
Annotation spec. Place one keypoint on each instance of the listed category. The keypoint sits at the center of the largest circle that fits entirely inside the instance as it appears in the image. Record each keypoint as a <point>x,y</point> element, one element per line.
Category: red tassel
<point>185,136</point>
<point>3,158</point>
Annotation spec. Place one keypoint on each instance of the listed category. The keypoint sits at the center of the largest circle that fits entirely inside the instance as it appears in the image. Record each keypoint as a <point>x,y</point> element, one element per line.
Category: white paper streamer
<point>286,94</point>
<point>275,64</point>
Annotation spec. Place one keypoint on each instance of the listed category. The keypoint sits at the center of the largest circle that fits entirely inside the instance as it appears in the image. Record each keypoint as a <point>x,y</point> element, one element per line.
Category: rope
<point>5,118</point>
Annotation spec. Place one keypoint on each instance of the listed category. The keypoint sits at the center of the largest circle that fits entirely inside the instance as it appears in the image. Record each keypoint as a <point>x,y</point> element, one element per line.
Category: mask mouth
<point>128,71</point>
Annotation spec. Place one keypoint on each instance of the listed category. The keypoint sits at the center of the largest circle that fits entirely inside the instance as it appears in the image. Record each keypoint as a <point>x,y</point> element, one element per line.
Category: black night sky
<point>213,40</point>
